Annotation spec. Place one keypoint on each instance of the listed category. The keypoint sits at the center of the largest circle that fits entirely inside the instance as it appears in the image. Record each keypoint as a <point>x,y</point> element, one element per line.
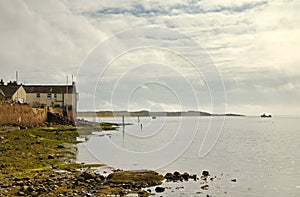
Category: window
<point>49,95</point>
<point>55,95</point>
<point>38,95</point>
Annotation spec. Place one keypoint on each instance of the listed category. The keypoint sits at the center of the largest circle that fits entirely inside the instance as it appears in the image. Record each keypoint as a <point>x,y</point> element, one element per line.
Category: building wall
<point>19,114</point>
<point>61,99</point>
<point>20,93</point>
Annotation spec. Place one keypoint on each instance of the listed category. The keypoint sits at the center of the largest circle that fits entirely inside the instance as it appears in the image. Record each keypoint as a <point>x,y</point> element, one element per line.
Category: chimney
<point>12,83</point>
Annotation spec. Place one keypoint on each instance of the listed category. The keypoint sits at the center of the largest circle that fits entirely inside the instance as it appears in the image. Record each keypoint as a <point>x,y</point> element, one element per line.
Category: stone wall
<point>69,115</point>
<point>20,114</point>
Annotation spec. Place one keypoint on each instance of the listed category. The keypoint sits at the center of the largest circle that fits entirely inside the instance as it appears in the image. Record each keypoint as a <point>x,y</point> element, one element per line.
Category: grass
<point>24,151</point>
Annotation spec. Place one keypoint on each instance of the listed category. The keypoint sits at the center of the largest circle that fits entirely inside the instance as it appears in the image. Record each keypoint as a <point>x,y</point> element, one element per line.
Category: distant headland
<point>145,113</point>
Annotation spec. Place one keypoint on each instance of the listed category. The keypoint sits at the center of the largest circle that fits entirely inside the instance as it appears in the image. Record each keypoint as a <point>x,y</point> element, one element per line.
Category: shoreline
<point>41,162</point>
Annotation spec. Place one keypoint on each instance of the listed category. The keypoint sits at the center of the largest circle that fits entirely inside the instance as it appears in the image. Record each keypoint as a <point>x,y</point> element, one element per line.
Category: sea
<point>245,156</point>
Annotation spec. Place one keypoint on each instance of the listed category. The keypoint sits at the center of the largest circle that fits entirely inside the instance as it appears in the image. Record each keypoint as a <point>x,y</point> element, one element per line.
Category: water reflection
<point>255,151</point>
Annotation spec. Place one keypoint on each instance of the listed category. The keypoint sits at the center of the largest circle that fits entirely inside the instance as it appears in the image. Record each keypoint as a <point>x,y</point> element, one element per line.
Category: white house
<point>60,99</point>
<point>60,96</point>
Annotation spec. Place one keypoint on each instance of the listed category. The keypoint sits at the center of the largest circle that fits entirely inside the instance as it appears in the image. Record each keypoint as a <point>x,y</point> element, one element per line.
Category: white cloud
<point>254,44</point>
<point>43,38</point>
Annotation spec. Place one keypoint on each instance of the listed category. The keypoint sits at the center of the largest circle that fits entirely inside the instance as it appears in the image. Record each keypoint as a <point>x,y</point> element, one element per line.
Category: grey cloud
<point>191,7</point>
<point>252,43</point>
<point>43,41</point>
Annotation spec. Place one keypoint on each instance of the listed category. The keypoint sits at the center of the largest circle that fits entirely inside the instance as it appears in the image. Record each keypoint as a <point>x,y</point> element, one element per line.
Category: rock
<point>89,175</point>
<point>20,193</point>
<point>98,180</point>
<point>52,175</point>
<point>30,189</point>
<point>102,178</point>
<point>60,146</point>
<point>17,179</point>
<point>122,193</point>
<point>204,187</point>
<point>169,177</point>
<point>185,176</point>
<point>194,177</point>
<point>19,183</point>
<point>23,127</point>
<point>142,193</point>
<point>176,174</point>
<point>205,173</point>
<point>127,186</point>
<point>159,189</point>
<point>50,157</point>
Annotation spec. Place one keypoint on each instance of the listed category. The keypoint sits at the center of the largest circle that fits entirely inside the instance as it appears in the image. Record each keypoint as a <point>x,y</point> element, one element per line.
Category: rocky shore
<point>40,162</point>
<point>76,183</point>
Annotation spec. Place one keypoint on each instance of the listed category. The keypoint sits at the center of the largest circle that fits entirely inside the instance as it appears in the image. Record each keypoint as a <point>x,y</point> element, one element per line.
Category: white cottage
<point>60,96</point>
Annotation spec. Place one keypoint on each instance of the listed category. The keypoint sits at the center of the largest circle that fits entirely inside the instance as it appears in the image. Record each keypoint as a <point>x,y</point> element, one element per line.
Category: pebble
<point>204,187</point>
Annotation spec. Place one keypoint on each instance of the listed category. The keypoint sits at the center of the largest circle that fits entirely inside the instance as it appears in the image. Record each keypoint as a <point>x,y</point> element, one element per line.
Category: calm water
<point>262,154</point>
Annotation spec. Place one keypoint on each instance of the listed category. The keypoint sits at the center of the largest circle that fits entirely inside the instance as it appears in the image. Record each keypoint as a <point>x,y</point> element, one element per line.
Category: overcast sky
<point>181,61</point>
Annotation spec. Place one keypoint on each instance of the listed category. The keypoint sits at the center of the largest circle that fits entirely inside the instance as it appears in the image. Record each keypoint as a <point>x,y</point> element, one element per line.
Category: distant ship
<point>265,116</point>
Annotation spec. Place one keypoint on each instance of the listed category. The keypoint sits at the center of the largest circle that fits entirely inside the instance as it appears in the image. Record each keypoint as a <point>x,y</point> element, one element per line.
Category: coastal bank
<point>41,162</point>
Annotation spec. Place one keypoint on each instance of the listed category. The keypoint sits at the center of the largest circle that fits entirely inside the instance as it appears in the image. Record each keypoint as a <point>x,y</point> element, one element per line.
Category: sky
<point>216,56</point>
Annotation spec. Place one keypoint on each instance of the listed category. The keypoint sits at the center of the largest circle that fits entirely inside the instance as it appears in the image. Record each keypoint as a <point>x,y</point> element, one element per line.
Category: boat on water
<point>266,116</point>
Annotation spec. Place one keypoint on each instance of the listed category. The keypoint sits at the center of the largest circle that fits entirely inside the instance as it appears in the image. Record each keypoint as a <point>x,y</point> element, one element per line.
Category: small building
<point>60,96</point>
<point>60,100</point>
<point>12,92</point>
<point>63,97</point>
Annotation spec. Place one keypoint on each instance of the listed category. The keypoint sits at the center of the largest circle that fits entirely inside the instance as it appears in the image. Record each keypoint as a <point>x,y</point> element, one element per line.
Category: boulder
<point>185,176</point>
<point>88,175</point>
<point>169,177</point>
<point>159,189</point>
<point>205,173</point>
<point>194,177</point>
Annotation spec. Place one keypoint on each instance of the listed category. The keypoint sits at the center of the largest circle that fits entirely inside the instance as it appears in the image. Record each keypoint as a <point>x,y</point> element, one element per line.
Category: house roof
<point>9,90</point>
<point>59,89</point>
